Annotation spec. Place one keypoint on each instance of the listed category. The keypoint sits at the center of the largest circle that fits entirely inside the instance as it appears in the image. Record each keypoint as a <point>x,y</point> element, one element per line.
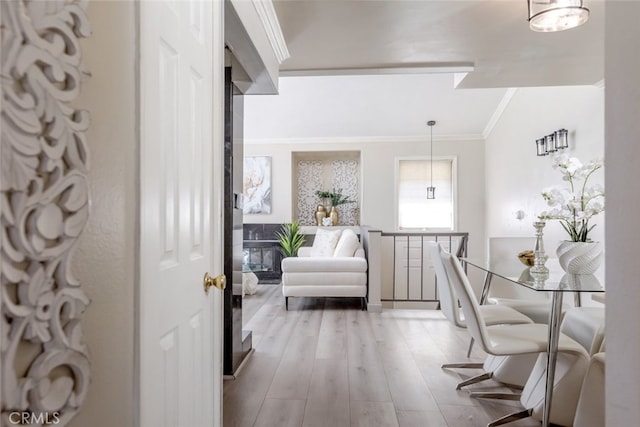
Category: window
<point>415,211</point>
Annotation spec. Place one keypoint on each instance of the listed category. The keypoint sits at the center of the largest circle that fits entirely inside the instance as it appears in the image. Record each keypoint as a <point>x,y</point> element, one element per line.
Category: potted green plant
<point>290,239</point>
<point>336,197</point>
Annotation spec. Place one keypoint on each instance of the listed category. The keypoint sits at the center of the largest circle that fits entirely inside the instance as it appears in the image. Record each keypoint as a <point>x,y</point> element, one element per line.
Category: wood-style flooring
<point>327,363</point>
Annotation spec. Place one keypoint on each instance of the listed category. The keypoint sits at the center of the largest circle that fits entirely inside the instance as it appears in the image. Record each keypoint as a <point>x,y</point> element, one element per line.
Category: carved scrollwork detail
<point>309,181</point>
<point>345,177</point>
<point>44,206</point>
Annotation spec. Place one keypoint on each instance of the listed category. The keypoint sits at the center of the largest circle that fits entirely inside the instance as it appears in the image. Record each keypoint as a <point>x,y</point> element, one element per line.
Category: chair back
<point>446,294</point>
<point>470,307</point>
<point>591,405</point>
<point>502,255</point>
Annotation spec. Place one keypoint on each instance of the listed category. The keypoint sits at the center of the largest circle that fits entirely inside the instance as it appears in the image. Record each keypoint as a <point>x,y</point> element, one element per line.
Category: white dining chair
<point>508,340</point>
<point>585,325</point>
<point>591,404</point>
<point>509,371</point>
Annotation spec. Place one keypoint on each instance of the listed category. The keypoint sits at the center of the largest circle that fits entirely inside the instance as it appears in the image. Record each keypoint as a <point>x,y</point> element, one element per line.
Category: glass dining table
<point>556,282</point>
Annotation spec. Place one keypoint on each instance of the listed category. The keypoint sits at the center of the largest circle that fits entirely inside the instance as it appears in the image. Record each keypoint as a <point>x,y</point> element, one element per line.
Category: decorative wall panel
<point>332,171</point>
<point>310,174</point>
<point>345,175</point>
<point>44,206</point>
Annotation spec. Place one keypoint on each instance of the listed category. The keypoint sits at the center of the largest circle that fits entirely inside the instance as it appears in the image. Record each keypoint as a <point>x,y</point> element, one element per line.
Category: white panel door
<point>180,327</point>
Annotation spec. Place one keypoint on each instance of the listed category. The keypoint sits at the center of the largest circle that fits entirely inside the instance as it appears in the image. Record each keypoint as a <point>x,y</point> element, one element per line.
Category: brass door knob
<point>219,282</point>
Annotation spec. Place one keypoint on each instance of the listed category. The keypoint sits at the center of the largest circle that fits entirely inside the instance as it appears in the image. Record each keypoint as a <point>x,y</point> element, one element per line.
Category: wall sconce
<point>559,140</point>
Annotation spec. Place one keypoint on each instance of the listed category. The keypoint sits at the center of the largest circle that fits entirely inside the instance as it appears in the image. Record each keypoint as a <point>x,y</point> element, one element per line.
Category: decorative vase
<point>333,214</point>
<point>320,214</point>
<point>579,257</point>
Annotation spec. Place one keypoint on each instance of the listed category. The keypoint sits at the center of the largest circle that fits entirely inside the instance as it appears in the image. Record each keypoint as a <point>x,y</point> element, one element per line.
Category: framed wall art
<point>257,185</point>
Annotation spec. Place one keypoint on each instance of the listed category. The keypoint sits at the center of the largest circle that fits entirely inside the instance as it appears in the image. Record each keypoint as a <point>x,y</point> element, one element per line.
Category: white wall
<point>104,262</point>
<point>515,176</point>
<point>623,192</point>
<point>369,106</point>
<point>378,169</point>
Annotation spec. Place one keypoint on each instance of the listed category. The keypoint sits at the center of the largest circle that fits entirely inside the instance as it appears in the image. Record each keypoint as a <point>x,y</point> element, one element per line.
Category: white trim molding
<point>504,102</point>
<point>453,68</point>
<point>364,139</point>
<point>44,207</point>
<point>267,15</point>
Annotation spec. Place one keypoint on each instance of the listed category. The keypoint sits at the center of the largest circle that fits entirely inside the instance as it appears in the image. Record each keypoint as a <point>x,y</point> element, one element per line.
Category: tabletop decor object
<point>574,206</point>
<point>335,198</point>
<point>527,257</point>
<point>539,256</point>
<point>320,214</point>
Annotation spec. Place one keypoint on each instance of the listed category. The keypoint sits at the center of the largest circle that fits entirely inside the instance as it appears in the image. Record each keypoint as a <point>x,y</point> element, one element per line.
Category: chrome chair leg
<point>511,417</point>
<point>492,395</point>
<point>476,379</point>
<point>470,347</point>
<point>462,366</point>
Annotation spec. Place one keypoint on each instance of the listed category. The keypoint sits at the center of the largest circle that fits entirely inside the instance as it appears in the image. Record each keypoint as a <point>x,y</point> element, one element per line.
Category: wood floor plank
<point>275,340</point>
<point>293,376</point>
<point>328,398</point>
<point>281,413</point>
<point>251,304</point>
<point>408,389</point>
<point>421,419</point>
<point>324,362</point>
<point>332,339</point>
<point>367,378</point>
<point>244,395</point>
<point>367,414</point>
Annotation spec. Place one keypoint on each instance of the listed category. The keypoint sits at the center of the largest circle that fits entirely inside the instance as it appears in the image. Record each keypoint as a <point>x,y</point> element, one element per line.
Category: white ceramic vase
<point>579,257</point>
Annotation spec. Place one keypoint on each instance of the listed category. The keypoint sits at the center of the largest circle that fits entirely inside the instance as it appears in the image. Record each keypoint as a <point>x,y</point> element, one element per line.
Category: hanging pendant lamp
<point>431,190</point>
<point>556,15</point>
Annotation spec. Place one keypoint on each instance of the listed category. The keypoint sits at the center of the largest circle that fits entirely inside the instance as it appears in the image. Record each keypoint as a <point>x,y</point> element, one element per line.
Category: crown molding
<point>504,102</point>
<point>269,19</point>
<point>454,68</point>
<point>363,139</point>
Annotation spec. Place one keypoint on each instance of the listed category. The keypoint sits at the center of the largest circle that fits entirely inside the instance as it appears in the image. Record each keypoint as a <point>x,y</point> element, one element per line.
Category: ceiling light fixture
<point>556,15</point>
<point>431,190</point>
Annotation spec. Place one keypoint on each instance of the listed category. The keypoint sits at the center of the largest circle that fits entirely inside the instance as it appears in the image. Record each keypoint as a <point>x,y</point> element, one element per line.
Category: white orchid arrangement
<point>575,205</point>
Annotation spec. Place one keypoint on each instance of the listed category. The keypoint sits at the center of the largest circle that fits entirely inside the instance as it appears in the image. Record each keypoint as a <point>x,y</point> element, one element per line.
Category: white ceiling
<point>372,107</point>
<point>328,37</point>
<point>492,36</point>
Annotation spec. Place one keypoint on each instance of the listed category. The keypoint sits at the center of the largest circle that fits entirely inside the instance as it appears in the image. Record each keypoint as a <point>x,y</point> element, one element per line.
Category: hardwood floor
<point>327,363</point>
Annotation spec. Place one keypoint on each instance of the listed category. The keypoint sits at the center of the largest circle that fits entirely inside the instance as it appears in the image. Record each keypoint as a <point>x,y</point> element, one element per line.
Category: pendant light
<point>431,190</point>
<point>556,15</point>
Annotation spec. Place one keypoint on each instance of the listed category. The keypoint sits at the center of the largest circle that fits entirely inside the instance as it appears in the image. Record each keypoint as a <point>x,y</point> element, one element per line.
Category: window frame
<point>454,194</point>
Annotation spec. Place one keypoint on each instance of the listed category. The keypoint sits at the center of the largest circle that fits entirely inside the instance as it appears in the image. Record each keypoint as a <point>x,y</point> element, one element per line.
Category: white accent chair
<point>332,267</point>
<point>509,370</point>
<point>509,340</point>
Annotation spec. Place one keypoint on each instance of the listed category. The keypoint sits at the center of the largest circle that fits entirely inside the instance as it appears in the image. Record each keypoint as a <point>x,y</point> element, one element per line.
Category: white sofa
<point>332,267</point>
